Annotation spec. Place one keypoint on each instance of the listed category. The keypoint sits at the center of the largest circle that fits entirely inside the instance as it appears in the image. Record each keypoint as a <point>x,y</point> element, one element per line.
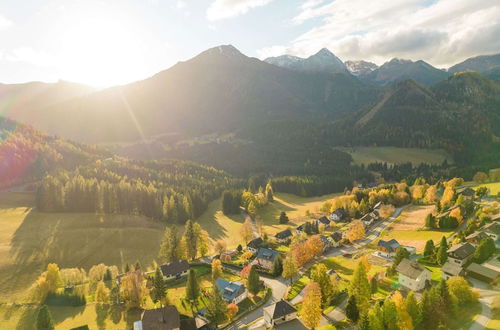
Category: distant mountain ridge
<point>322,61</point>
<point>358,68</point>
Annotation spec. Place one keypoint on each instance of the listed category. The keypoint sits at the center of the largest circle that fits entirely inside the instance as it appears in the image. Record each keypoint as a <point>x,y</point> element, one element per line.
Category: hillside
<point>218,90</point>
<point>399,69</point>
<point>482,64</point>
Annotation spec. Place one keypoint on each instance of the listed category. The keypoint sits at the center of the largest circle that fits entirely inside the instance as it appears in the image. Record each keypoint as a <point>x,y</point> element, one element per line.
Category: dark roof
<point>255,243</point>
<point>368,217</point>
<point>324,220</point>
<point>161,318</point>
<point>466,191</point>
<point>479,235</point>
<point>410,268</point>
<point>451,268</point>
<point>301,227</point>
<point>340,212</point>
<point>174,268</point>
<point>230,290</point>
<point>336,236</point>
<point>283,234</point>
<point>461,251</point>
<point>267,254</point>
<point>280,309</point>
<point>492,228</point>
<point>390,245</point>
<point>325,240</point>
<point>188,324</point>
<point>483,271</point>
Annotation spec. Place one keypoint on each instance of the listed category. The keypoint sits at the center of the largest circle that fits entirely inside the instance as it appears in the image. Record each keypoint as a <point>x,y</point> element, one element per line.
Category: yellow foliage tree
<point>133,289</point>
<point>480,177</point>
<point>220,246</point>
<point>386,210</point>
<point>216,268</point>
<point>457,214</point>
<point>404,319</point>
<point>356,231</point>
<point>102,293</point>
<point>431,195</point>
<point>311,305</point>
<point>447,198</point>
<point>53,277</point>
<point>366,263</point>
<point>246,230</point>
<point>417,192</point>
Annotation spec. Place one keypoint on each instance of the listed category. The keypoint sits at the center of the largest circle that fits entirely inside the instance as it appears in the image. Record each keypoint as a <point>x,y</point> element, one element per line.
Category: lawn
<point>494,187</point>
<point>395,155</point>
<point>29,240</point>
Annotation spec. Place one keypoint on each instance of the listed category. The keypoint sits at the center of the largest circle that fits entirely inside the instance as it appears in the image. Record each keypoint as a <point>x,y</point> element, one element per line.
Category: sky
<point>109,42</point>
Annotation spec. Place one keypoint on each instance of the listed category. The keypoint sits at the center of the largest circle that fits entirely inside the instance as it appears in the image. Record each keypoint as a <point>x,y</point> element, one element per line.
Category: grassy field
<point>29,240</point>
<point>408,229</point>
<point>394,155</point>
<point>494,187</point>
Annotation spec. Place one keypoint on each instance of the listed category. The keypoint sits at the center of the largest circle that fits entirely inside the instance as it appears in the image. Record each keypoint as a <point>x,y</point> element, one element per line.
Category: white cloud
<point>31,56</point>
<point>222,9</point>
<point>4,23</point>
<point>442,33</point>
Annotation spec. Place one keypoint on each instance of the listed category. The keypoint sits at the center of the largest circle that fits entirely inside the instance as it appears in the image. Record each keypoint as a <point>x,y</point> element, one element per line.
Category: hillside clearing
<point>395,155</point>
<point>494,187</point>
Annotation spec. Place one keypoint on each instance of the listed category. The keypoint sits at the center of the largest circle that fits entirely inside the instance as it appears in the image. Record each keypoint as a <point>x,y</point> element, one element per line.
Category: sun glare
<point>101,51</point>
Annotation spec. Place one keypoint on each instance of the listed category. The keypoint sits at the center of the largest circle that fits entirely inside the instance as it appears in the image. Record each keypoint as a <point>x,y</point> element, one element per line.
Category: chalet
<point>279,313</point>
<point>336,238</point>
<point>283,236</point>
<point>413,275</point>
<point>300,229</point>
<point>323,221</point>
<point>477,237</point>
<point>232,292</point>
<point>451,269</point>
<point>254,245</point>
<point>459,254</point>
<point>492,230</point>
<point>265,258</point>
<point>165,318</point>
<point>339,215</point>
<point>175,270</point>
<point>388,248</point>
<point>482,273</point>
<point>467,192</point>
<point>326,242</point>
<point>369,218</point>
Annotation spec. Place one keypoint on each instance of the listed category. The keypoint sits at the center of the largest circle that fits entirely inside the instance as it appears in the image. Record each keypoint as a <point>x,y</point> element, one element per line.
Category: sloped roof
<point>336,236</point>
<point>174,268</point>
<point>484,271</point>
<point>230,290</point>
<point>324,220</point>
<point>390,245</point>
<point>280,309</point>
<point>479,235</point>
<point>283,234</point>
<point>164,318</point>
<point>461,251</point>
<point>493,228</point>
<point>267,254</point>
<point>410,268</point>
<point>451,268</point>
<point>255,243</point>
<point>340,212</point>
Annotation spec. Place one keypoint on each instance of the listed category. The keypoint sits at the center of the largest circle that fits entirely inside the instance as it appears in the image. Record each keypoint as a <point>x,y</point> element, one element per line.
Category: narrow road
<point>485,299</point>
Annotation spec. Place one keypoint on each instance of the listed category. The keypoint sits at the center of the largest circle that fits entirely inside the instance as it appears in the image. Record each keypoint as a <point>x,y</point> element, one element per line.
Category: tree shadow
<point>27,320</point>
<point>331,264</point>
<point>102,312</point>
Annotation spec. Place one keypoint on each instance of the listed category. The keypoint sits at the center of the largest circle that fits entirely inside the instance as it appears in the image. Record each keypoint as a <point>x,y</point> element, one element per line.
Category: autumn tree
<point>220,246</point>
<point>431,196</point>
<point>314,246</point>
<point>203,242</point>
<point>319,274</point>
<point>216,268</point>
<point>53,277</point>
<point>232,310</point>
<point>448,196</point>
<point>311,305</point>
<point>390,315</point>
<point>289,269</point>
<point>461,290</point>
<point>102,293</point>
<point>412,308</point>
<point>169,248</point>
<point>360,287</point>
<point>404,319</point>
<point>364,260</point>
<point>44,319</point>
<point>356,231</point>
<point>457,214</point>
<point>269,192</point>
<point>480,177</point>
<point>246,230</point>
<point>133,289</point>
<point>386,211</point>
<point>159,289</point>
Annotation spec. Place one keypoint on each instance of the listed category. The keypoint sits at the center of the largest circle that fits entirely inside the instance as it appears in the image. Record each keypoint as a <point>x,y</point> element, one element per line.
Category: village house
<point>339,215</point>
<point>451,269</point>
<point>459,254</point>
<point>228,254</point>
<point>388,248</point>
<point>475,238</point>
<point>323,221</point>
<point>283,236</point>
<point>279,313</point>
<point>232,292</point>
<point>165,318</point>
<point>326,242</point>
<point>492,230</point>
<point>412,275</point>
<point>482,273</point>
<point>265,258</point>
<point>467,192</point>
<point>300,229</point>
<point>175,270</point>
<point>336,239</point>
<point>254,245</point>
<point>369,218</point>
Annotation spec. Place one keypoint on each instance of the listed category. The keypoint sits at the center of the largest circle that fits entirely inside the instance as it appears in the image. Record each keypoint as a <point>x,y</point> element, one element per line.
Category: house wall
<point>287,318</point>
<point>171,277</point>
<point>415,285</point>
<point>241,297</point>
<point>266,264</point>
<point>458,261</point>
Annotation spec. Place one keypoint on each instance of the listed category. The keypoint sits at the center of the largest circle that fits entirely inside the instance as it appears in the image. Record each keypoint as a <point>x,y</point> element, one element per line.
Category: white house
<point>279,313</point>
<point>175,270</point>
<point>413,275</point>
<point>232,292</point>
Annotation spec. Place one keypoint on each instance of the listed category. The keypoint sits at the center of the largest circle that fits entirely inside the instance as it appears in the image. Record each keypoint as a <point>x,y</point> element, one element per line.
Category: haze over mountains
<point>221,91</point>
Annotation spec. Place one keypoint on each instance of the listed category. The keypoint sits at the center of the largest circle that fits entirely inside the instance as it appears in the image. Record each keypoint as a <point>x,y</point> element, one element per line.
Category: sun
<point>101,50</point>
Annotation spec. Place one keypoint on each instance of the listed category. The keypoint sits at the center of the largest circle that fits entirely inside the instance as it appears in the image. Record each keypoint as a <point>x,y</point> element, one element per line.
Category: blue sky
<point>107,42</point>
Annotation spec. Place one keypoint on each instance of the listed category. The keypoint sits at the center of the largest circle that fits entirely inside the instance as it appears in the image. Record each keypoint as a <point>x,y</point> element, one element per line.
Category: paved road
<point>373,234</point>
<point>485,299</point>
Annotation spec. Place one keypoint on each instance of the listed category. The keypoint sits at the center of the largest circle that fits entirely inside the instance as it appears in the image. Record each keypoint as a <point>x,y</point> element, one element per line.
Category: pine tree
<point>191,240</point>
<point>44,319</point>
<point>216,308</point>
<point>159,290</point>
<point>269,192</point>
<point>376,318</point>
<point>277,269</point>
<point>253,281</point>
<point>192,286</point>
<point>283,218</point>
<point>390,315</point>
<point>412,308</point>
<point>364,322</point>
<point>169,248</point>
<point>351,310</point>
<point>426,311</point>
<point>374,284</point>
<point>360,287</point>
<point>429,248</point>
<point>442,254</point>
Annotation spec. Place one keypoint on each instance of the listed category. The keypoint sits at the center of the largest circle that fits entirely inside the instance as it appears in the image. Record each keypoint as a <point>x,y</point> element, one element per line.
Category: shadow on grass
<point>332,264</point>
